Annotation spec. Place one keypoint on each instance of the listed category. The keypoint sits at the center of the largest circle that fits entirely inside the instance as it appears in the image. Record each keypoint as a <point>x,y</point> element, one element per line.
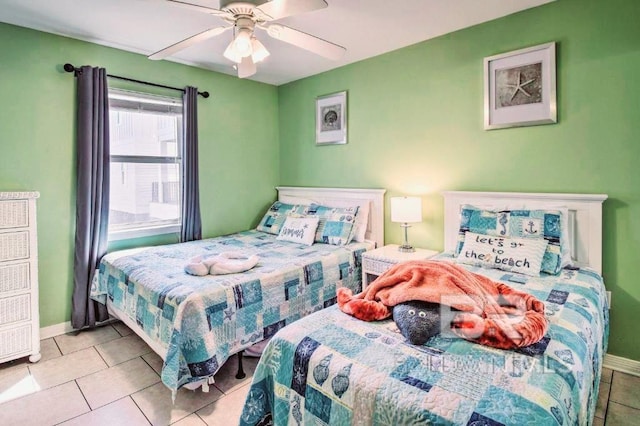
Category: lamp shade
<point>406,209</point>
<point>258,51</point>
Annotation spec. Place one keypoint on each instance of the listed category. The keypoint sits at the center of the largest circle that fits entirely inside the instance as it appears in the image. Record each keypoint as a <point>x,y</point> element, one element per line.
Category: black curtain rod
<point>71,68</point>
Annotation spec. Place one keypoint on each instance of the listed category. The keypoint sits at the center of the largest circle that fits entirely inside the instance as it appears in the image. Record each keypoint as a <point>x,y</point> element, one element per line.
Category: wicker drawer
<point>14,309</point>
<point>14,245</point>
<point>19,315</point>
<point>14,277</point>
<point>15,341</point>
<point>375,266</point>
<point>14,214</point>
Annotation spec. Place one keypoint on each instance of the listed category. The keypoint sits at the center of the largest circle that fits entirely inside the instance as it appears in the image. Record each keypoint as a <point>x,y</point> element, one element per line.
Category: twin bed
<point>323,366</point>
<point>195,323</point>
<point>331,368</point>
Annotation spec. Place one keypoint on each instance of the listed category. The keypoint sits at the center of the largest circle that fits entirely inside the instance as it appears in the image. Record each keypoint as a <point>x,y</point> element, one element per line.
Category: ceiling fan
<point>245,49</point>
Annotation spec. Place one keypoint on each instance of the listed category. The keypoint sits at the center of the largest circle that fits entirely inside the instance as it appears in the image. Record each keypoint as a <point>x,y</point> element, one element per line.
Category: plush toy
<point>225,263</point>
<point>419,321</point>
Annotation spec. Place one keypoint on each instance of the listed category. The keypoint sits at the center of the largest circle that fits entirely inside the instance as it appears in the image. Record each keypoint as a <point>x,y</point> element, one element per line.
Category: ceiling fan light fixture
<point>246,68</point>
<point>245,50</point>
<point>259,52</point>
<point>231,54</point>
<point>242,43</point>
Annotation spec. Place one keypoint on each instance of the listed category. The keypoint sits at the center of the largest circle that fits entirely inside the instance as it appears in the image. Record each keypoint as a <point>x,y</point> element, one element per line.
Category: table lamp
<point>406,210</point>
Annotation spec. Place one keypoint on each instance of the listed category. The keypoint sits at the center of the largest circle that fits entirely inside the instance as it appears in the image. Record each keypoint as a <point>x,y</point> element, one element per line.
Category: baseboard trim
<point>55,330</point>
<point>64,328</point>
<point>621,364</point>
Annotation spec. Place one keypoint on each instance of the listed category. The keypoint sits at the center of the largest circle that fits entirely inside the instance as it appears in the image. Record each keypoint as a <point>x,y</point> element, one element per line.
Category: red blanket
<point>493,313</point>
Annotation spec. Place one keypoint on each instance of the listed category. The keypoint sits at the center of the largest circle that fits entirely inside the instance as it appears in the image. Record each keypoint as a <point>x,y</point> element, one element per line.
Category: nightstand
<point>375,262</point>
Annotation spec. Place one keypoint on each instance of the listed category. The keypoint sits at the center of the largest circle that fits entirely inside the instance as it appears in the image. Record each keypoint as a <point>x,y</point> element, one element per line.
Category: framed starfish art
<point>520,88</point>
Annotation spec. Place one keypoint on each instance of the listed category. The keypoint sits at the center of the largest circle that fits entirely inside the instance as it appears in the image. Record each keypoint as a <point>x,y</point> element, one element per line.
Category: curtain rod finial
<point>69,68</point>
<point>204,94</point>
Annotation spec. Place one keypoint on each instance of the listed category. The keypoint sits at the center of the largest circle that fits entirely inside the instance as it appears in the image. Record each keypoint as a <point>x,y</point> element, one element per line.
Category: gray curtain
<point>92,192</point>
<point>191,222</point>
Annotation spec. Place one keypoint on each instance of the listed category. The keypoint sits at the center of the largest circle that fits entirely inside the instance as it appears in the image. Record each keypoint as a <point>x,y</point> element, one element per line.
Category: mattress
<point>196,323</point>
<point>331,368</point>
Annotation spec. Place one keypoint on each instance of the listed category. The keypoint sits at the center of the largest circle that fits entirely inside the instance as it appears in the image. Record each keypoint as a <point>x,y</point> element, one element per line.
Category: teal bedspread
<point>330,368</point>
<point>202,321</point>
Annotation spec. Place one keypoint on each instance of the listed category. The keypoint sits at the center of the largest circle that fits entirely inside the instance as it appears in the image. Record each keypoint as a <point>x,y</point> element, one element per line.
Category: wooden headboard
<point>585,217</point>
<point>342,197</point>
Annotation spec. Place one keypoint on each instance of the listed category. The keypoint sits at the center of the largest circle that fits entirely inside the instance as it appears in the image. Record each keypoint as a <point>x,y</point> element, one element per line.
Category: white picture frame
<point>520,88</point>
<point>331,119</point>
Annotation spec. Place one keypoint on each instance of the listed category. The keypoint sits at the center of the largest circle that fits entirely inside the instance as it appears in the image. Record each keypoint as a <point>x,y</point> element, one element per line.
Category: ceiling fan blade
<point>246,68</point>
<point>203,9</point>
<point>276,9</point>
<point>168,51</point>
<point>306,41</point>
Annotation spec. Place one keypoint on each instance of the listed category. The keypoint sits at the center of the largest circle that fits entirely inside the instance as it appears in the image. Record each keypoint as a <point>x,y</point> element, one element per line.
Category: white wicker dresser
<point>19,316</point>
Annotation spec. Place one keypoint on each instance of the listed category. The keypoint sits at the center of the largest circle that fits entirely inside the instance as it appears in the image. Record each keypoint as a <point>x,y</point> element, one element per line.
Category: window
<point>146,167</point>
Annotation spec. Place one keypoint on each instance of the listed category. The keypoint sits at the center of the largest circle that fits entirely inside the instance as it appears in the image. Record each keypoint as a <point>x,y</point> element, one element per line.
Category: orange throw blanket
<point>493,313</point>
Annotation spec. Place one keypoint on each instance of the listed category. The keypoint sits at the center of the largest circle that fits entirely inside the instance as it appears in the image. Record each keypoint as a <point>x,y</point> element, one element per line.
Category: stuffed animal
<point>418,321</point>
<point>224,263</point>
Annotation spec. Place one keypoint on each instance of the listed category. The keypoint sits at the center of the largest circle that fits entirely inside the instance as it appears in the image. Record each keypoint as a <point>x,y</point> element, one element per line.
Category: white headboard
<point>585,217</point>
<point>335,197</point>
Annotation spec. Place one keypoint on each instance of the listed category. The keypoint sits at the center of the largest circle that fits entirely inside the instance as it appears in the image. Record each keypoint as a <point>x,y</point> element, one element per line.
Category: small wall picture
<point>331,119</point>
<point>520,88</point>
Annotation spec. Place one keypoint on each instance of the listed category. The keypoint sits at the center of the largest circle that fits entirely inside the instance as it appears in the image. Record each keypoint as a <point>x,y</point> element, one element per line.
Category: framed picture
<point>331,119</point>
<point>520,88</point>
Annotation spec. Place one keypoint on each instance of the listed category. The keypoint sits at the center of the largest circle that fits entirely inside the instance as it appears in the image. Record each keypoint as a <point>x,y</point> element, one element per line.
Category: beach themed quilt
<point>202,320</point>
<point>333,369</point>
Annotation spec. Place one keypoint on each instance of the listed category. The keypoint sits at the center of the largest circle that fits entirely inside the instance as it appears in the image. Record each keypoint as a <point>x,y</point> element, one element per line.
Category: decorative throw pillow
<point>335,225</point>
<point>274,218</point>
<point>299,230</point>
<point>361,222</point>
<point>531,224</point>
<point>523,255</point>
<point>565,242</point>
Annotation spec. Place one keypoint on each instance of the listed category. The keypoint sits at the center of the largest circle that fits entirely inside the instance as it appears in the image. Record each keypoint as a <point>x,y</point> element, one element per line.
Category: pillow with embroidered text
<point>299,230</point>
<point>518,223</point>
<point>522,255</point>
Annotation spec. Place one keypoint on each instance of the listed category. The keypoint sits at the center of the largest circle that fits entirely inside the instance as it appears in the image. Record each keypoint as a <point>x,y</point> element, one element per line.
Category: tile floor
<point>109,376</point>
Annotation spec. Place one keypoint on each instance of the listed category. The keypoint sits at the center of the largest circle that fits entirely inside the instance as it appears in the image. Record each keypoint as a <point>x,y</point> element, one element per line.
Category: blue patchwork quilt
<point>202,321</point>
<point>330,368</point>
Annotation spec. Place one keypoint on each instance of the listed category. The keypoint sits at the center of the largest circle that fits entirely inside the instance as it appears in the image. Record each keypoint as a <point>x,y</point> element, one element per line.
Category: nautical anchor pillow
<point>533,224</point>
<point>523,255</point>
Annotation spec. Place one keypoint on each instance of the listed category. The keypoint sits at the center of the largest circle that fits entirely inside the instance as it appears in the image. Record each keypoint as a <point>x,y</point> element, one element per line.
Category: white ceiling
<point>366,28</point>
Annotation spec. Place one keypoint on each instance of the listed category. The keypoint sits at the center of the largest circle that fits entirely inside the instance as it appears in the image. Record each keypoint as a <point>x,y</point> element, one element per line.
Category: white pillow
<point>362,220</point>
<point>523,255</point>
<point>299,229</point>
<point>565,243</point>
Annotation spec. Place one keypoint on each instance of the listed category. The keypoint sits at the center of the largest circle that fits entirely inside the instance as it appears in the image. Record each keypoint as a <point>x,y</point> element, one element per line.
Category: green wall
<point>238,135</point>
<point>415,126</point>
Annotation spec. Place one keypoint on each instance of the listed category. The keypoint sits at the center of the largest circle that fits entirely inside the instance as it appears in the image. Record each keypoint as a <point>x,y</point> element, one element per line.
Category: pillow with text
<point>522,255</point>
<point>299,230</point>
<point>521,223</point>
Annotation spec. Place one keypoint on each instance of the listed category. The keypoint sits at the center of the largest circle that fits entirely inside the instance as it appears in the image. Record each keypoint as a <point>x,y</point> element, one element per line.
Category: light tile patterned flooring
<point>109,376</point>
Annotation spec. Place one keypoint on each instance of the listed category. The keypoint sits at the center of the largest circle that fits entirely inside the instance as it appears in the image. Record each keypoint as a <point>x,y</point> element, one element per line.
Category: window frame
<point>149,229</point>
